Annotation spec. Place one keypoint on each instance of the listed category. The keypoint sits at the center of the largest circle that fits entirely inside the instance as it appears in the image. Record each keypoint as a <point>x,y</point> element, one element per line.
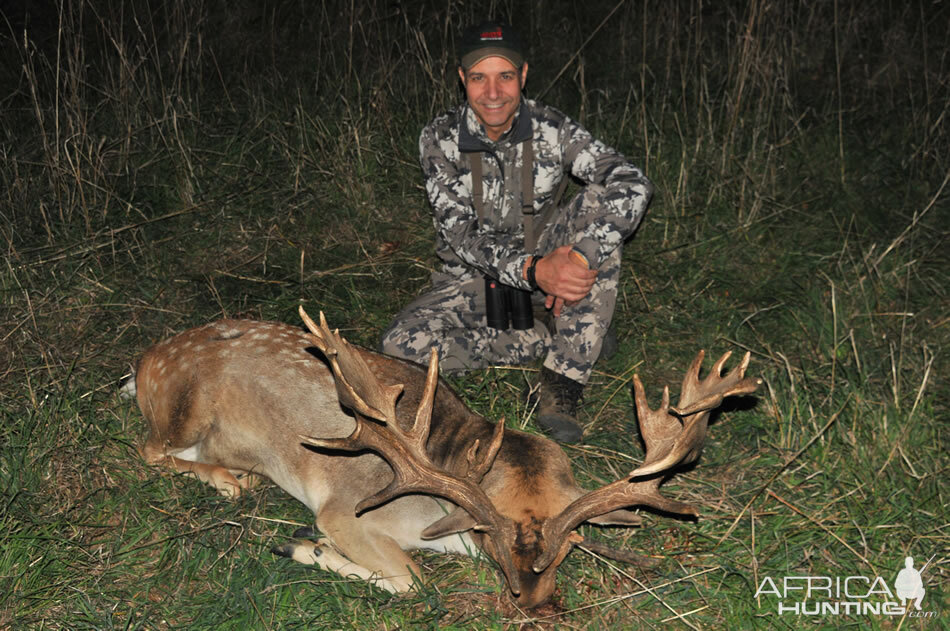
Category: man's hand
<point>564,276</point>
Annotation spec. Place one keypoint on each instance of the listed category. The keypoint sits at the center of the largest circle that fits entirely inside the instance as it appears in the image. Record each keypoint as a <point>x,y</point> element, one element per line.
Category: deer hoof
<point>302,552</point>
<point>305,532</point>
<point>286,550</point>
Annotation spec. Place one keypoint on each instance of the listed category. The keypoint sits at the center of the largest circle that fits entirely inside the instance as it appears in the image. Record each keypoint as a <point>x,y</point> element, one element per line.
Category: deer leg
<point>323,554</point>
<point>225,481</point>
<point>350,551</point>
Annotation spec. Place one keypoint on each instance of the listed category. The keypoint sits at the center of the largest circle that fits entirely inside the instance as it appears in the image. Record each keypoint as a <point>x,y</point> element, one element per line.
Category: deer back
<point>238,394</point>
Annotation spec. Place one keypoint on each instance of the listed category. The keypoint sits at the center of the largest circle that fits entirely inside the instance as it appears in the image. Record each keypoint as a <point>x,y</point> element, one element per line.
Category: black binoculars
<point>506,305</point>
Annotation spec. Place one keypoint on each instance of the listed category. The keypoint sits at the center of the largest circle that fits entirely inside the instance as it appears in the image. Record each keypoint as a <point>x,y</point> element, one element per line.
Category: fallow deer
<point>388,458</point>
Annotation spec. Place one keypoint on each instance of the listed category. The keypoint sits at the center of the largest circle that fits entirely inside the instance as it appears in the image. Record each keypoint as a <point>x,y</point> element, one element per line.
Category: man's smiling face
<point>493,88</point>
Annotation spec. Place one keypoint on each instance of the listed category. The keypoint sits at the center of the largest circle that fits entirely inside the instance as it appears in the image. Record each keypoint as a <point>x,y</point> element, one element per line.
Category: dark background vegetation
<point>163,164</point>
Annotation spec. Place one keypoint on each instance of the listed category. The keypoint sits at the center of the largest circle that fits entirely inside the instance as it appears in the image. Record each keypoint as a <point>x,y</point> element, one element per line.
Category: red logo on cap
<point>492,34</point>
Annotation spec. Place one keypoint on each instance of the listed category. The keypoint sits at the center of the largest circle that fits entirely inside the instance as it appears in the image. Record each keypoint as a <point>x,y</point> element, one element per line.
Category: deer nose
<point>534,597</point>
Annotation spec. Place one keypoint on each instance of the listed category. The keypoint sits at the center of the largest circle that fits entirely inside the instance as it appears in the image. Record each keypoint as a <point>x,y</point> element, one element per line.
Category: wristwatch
<point>529,274</point>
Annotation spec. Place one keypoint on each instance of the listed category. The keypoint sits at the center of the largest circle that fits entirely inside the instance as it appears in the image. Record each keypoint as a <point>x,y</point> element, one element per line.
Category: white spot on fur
<point>227,330</point>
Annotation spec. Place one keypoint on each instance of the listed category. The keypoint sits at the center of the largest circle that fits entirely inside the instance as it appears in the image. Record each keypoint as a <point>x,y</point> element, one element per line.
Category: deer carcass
<point>388,458</point>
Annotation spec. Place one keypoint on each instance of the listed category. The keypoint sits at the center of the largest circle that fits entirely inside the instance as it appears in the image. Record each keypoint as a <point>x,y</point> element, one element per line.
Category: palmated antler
<point>674,436</point>
<point>405,450</point>
<point>669,444</point>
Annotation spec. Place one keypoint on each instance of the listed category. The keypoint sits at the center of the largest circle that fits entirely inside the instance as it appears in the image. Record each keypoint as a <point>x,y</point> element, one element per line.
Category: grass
<point>166,164</point>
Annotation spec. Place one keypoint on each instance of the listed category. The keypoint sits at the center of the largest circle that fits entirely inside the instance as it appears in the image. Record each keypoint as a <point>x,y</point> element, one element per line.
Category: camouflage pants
<point>451,315</point>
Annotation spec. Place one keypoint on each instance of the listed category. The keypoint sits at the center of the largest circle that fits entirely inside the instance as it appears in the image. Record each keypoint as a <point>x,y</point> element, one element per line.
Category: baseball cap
<point>491,39</point>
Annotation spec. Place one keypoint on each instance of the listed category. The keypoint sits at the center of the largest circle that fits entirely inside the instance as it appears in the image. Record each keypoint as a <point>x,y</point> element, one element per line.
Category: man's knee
<point>388,345</point>
<point>416,348</point>
<point>398,342</point>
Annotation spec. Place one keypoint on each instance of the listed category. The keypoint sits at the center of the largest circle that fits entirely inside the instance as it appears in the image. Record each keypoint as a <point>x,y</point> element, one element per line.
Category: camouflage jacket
<point>561,145</point>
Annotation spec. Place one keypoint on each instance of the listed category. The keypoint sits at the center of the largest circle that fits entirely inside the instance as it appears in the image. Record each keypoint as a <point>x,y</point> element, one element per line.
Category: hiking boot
<point>558,397</point>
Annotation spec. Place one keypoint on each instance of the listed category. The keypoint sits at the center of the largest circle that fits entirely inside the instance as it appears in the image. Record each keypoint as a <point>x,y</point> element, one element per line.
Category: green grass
<point>173,163</point>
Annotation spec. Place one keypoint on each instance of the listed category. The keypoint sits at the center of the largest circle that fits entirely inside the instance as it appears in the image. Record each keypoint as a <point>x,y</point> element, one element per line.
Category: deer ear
<point>457,521</point>
<point>620,517</point>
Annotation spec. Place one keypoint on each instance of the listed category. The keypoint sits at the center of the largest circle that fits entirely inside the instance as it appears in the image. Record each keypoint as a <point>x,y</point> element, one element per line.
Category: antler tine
<point>477,470</point>
<point>670,441</point>
<point>681,445</point>
<point>619,494</point>
<point>659,434</point>
<point>729,385</point>
<point>404,450</point>
<point>356,385</point>
<point>420,428</point>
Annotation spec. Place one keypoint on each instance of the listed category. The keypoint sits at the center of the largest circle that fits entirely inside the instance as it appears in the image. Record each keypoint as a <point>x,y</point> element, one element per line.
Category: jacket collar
<point>472,141</point>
